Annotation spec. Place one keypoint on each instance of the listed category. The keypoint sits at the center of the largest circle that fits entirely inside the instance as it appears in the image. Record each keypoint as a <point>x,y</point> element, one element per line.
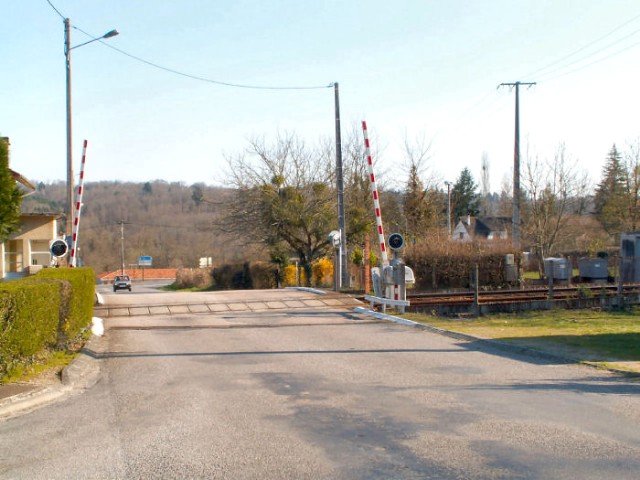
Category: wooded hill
<point>172,222</point>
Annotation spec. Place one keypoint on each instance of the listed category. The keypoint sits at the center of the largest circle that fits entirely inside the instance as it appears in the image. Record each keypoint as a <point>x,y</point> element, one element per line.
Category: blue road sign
<point>145,261</point>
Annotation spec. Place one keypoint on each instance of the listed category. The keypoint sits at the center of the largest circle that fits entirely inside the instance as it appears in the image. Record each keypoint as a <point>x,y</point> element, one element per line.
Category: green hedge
<point>77,307</point>
<point>46,311</point>
<point>29,318</point>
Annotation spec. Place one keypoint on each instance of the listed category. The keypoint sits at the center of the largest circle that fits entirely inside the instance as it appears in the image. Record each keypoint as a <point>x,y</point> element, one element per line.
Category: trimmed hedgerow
<point>77,301</point>
<point>449,264</point>
<point>29,317</point>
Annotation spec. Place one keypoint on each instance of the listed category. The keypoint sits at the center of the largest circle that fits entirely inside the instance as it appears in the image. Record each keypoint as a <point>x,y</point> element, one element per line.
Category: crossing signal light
<point>59,248</point>
<point>396,241</point>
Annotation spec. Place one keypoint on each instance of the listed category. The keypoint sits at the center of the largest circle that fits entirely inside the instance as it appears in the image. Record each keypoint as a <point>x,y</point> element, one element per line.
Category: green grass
<point>174,288</point>
<point>535,275</point>
<point>45,364</point>
<point>585,335</point>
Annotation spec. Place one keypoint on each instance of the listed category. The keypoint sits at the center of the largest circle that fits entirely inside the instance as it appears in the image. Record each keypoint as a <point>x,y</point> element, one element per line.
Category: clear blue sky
<point>414,68</point>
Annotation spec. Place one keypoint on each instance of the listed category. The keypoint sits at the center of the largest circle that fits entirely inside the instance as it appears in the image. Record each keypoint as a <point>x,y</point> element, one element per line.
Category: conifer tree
<point>416,211</point>
<point>464,197</point>
<point>10,197</point>
<point>610,197</point>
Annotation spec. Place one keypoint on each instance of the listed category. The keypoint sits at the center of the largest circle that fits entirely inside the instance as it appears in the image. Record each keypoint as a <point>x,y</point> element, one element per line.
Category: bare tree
<point>631,214</point>
<point>505,202</point>
<point>358,200</point>
<point>283,197</point>
<point>554,189</point>
<point>420,200</point>
<point>485,186</point>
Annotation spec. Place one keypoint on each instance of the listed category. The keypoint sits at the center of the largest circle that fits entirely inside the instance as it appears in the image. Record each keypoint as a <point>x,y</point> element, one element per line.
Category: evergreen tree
<point>418,213</point>
<point>464,198</point>
<point>10,197</point>
<point>610,197</point>
<point>197,194</point>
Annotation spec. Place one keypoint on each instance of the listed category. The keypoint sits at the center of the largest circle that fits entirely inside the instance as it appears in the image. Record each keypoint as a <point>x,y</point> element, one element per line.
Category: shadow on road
<point>106,355</point>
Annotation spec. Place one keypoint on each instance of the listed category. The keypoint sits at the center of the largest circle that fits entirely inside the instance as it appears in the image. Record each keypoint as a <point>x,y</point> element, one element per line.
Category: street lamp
<point>67,54</point>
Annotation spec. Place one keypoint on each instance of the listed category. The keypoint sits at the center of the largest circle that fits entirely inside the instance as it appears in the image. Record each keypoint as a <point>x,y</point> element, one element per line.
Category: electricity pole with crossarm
<point>515,232</point>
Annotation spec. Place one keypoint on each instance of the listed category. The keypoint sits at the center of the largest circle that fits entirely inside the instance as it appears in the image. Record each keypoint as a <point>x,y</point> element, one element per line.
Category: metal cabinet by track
<point>630,257</point>
<point>557,268</point>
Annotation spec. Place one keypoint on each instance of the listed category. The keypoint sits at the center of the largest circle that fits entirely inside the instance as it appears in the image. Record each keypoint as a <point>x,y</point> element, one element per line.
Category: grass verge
<point>610,339</point>
<point>45,368</point>
<point>175,288</point>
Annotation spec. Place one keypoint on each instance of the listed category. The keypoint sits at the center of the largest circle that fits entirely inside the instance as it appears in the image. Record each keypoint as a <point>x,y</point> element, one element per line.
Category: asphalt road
<point>323,393</point>
<point>137,288</point>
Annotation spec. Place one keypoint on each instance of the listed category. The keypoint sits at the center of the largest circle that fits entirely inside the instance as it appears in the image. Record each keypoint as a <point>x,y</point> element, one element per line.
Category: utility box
<point>630,257</point>
<point>510,270</point>
<point>393,276</point>
<point>409,277</point>
<point>593,269</point>
<point>557,268</point>
<point>376,280</point>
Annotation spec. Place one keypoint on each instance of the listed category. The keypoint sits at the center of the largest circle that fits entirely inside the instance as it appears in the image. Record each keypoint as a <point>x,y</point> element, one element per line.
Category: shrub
<point>77,307</point>
<point>290,277</point>
<point>450,264</point>
<point>322,272</point>
<point>263,275</point>
<point>193,278</point>
<point>258,275</point>
<point>29,319</point>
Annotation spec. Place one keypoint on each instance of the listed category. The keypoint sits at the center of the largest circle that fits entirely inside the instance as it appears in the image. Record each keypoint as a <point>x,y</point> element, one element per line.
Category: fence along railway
<point>493,301</point>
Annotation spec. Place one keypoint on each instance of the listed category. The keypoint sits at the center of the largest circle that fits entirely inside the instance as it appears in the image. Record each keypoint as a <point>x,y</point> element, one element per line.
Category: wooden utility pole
<point>515,232</point>
<point>122,245</point>
<point>344,272</point>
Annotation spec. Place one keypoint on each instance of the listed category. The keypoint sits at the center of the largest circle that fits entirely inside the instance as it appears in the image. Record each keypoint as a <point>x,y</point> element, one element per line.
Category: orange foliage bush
<point>322,272</point>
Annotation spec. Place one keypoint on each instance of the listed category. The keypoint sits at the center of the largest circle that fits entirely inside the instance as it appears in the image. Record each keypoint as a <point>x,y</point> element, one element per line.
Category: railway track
<point>502,297</point>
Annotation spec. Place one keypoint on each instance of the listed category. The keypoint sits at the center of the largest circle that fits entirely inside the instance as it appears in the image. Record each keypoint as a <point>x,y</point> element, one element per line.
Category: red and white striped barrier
<point>76,222</point>
<point>376,201</point>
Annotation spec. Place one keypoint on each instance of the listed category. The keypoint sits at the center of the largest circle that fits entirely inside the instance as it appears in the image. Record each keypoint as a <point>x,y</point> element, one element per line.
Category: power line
<point>585,47</point>
<point>191,76</point>
<point>471,115</point>
<point>204,79</point>
<point>629,47</point>
<point>463,115</point>
<point>481,106</point>
<point>55,9</point>
<point>592,54</point>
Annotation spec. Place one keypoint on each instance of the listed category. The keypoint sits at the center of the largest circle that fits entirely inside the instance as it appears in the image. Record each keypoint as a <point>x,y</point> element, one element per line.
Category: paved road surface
<point>322,393</point>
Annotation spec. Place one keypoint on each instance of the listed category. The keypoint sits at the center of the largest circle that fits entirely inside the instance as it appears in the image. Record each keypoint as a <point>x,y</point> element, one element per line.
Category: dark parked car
<point>122,282</point>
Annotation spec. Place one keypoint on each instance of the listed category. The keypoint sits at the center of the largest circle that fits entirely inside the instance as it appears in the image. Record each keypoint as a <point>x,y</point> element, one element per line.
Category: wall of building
<point>28,250</point>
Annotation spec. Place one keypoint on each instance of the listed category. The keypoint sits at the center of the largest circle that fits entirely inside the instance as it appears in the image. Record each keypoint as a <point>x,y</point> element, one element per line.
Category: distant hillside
<point>171,222</point>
